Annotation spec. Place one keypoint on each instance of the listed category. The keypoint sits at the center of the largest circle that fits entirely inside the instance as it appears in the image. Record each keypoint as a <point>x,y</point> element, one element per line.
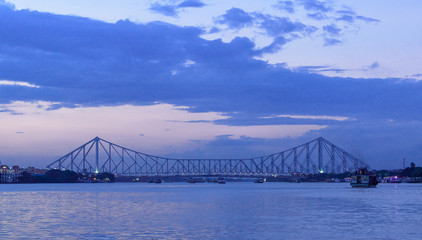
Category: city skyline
<point>210,79</point>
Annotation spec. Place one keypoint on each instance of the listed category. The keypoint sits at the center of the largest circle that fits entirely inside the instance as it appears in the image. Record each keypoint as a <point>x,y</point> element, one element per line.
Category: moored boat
<point>259,180</point>
<point>294,180</point>
<point>364,178</point>
<point>221,180</point>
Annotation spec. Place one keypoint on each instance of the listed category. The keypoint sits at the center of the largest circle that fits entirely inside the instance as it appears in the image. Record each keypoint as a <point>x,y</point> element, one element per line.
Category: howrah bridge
<point>314,157</point>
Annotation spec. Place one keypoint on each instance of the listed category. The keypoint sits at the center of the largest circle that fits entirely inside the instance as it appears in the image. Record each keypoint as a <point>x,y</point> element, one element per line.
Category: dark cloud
<point>336,22</point>
<point>317,16</point>
<point>275,46</point>
<point>214,30</point>
<point>191,3</point>
<point>331,34</point>
<point>350,17</point>
<point>281,29</point>
<point>346,18</point>
<point>7,4</point>
<point>374,65</point>
<point>171,9</point>
<point>346,12</point>
<point>285,5</point>
<point>331,41</point>
<point>79,61</point>
<point>367,19</point>
<point>276,26</point>
<point>332,30</point>
<point>315,5</point>
<point>167,10</point>
<point>236,18</point>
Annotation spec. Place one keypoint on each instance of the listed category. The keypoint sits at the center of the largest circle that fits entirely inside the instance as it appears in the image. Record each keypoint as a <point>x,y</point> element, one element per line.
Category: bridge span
<point>316,156</point>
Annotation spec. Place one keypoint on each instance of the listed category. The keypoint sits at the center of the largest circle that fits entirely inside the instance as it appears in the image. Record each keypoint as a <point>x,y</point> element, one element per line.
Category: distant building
<point>12,174</point>
<point>6,169</point>
<point>16,169</point>
<point>9,174</point>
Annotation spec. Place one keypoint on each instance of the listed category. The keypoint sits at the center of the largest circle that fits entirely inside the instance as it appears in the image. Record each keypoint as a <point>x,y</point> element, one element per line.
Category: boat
<point>364,178</point>
<point>294,180</point>
<point>221,180</point>
<point>259,180</point>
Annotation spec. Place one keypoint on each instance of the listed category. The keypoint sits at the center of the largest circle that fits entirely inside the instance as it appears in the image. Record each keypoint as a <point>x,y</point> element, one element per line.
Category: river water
<point>210,211</point>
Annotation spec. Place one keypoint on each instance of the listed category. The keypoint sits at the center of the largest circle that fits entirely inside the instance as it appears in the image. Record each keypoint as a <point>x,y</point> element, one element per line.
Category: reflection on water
<point>209,211</point>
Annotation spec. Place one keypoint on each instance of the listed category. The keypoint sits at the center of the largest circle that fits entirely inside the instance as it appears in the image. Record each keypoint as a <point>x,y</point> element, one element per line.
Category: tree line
<point>66,176</point>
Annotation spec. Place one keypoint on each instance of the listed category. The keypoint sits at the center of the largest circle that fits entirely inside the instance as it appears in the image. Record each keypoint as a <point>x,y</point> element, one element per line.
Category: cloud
<point>82,62</point>
<point>335,118</point>
<point>317,69</point>
<point>280,29</point>
<point>346,12</point>
<point>317,16</point>
<point>214,30</point>
<point>171,10</point>
<point>315,5</point>
<point>276,26</point>
<point>164,128</point>
<point>331,41</point>
<point>332,23</point>
<point>350,17</point>
<point>275,46</point>
<point>191,3</point>
<point>236,18</point>
<point>367,19</point>
<point>7,4</point>
<point>374,65</point>
<point>332,30</point>
<point>287,6</point>
<point>167,10</point>
<point>17,83</point>
<point>346,18</point>
<point>331,34</point>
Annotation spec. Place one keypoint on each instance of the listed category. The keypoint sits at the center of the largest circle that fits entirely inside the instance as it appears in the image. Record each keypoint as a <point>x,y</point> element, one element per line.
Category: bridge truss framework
<point>317,156</point>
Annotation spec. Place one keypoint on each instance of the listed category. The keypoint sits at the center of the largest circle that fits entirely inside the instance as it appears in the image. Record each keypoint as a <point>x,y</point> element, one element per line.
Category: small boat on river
<point>294,180</point>
<point>364,178</point>
<point>221,180</point>
<point>259,180</point>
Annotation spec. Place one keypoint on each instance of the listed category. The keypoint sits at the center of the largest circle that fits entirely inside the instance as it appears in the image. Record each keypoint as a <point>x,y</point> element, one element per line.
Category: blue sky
<point>210,78</point>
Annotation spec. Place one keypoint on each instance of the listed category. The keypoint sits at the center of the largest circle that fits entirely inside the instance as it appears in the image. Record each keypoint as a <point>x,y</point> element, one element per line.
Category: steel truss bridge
<point>316,156</point>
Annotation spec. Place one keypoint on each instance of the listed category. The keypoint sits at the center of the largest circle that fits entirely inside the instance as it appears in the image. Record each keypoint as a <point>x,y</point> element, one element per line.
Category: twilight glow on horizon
<point>211,79</point>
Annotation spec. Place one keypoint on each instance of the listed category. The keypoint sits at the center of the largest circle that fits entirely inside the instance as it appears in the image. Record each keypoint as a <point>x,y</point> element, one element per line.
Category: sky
<point>211,79</point>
